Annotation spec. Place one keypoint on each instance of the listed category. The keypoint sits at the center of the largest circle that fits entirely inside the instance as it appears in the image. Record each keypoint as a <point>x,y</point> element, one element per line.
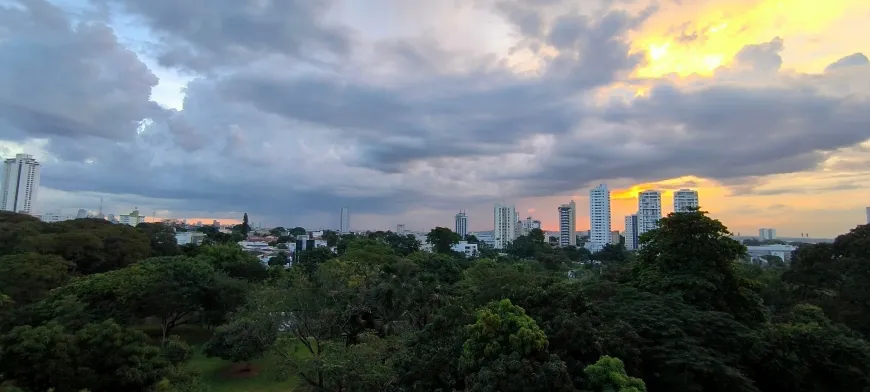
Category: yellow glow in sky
<point>698,37</point>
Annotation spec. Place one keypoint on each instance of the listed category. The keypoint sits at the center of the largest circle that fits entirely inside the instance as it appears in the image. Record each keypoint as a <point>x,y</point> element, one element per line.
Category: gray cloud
<point>62,79</point>
<point>762,58</point>
<point>203,36</point>
<point>852,60</point>
<point>267,129</point>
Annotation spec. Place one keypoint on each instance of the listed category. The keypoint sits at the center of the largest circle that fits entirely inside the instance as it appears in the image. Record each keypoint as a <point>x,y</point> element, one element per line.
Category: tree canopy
<point>376,313</point>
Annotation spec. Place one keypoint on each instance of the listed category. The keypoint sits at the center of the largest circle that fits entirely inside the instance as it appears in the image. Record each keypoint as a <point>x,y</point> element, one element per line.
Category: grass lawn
<point>214,370</point>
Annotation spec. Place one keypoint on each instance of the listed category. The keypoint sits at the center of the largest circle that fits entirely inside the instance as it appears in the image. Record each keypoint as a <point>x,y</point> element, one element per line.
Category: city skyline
<point>405,114</point>
<point>625,205</point>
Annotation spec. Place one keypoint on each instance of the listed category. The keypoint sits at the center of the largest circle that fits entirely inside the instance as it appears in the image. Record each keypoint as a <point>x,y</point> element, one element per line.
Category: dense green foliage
<point>377,314</point>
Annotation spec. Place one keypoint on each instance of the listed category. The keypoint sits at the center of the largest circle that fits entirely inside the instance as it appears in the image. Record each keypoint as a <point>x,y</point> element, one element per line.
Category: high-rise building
<point>82,214</point>
<point>461,224</point>
<point>868,215</point>
<point>615,237</point>
<point>400,229</point>
<point>504,225</point>
<point>20,184</point>
<point>568,224</point>
<point>649,211</point>
<point>630,232</point>
<point>766,234</point>
<point>344,225</point>
<point>133,218</point>
<point>528,224</point>
<point>599,217</point>
<point>685,199</point>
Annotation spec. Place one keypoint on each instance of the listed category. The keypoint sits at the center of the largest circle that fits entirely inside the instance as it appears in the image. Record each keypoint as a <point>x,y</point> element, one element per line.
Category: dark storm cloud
<point>202,35</point>
<point>68,80</point>
<point>725,131</point>
<point>418,121</point>
<point>482,112</point>
<point>270,139</point>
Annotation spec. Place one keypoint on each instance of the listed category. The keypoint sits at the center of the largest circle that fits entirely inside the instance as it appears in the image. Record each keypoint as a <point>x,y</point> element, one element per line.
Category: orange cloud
<point>698,37</point>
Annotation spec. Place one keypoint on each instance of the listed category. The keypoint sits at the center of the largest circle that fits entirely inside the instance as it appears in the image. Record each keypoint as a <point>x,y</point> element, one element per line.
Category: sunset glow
<point>698,37</point>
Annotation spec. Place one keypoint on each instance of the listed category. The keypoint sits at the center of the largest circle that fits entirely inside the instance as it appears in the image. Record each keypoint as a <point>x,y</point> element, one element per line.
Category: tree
<point>297,231</point>
<point>506,351</point>
<point>6,305</point>
<point>693,256</point>
<point>403,245</point>
<point>365,366</point>
<point>310,259</point>
<point>834,277</point>
<point>331,238</point>
<point>246,228</point>
<point>279,260</point>
<point>171,289</point>
<point>176,351</point>
<point>442,239</point>
<point>800,348</point>
<point>224,296</point>
<point>611,252</point>
<point>162,238</point>
<point>233,260</point>
<point>536,236</point>
<point>100,357</point>
<point>608,375</point>
<point>28,277</point>
<point>243,340</point>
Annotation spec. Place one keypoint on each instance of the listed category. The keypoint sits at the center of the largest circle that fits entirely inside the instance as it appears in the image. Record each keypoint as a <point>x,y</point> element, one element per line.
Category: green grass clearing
<point>214,371</point>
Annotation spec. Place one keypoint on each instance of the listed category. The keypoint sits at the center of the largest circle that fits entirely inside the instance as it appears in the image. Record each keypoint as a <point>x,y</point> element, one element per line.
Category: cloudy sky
<point>406,111</point>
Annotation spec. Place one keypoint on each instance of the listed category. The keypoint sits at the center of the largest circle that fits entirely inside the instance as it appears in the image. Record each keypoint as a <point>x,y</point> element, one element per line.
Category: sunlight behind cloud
<point>700,37</point>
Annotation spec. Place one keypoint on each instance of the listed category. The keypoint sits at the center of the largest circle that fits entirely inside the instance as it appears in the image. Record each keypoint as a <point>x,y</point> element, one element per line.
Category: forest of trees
<point>682,314</point>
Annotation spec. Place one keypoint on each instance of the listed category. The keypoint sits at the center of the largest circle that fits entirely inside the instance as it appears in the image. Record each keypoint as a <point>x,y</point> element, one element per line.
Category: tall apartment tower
<point>20,184</point>
<point>528,225</point>
<point>599,217</point>
<point>766,234</point>
<point>685,199</point>
<point>630,232</point>
<point>568,224</point>
<point>504,225</point>
<point>344,225</point>
<point>649,211</point>
<point>462,224</point>
<point>868,215</point>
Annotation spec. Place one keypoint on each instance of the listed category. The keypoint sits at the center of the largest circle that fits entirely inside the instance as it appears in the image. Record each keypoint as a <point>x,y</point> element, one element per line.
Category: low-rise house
<point>189,237</point>
<point>466,248</point>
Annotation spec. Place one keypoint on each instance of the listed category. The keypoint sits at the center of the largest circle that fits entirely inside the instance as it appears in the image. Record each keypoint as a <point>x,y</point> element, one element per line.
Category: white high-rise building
<point>400,229</point>
<point>82,214</point>
<point>462,224</point>
<point>568,224</point>
<point>344,225</point>
<point>132,219</point>
<point>630,232</point>
<point>766,234</point>
<point>685,199</point>
<point>529,224</point>
<point>649,211</point>
<point>20,184</point>
<point>504,225</point>
<point>599,217</point>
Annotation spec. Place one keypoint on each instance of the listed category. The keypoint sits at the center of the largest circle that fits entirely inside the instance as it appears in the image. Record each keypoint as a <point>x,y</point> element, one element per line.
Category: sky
<point>406,112</point>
